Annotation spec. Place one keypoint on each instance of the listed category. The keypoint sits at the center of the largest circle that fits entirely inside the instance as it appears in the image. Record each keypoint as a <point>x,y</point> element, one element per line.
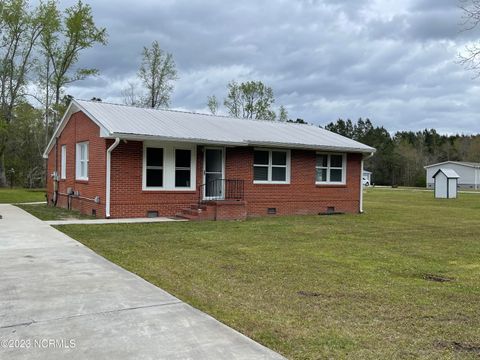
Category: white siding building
<point>367,177</point>
<point>468,172</point>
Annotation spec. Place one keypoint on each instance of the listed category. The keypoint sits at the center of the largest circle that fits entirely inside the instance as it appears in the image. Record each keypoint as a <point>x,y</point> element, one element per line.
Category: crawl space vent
<point>152,214</point>
<point>271,211</point>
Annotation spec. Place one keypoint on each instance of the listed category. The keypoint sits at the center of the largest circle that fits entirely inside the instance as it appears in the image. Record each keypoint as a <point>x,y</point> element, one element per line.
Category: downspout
<point>108,177</point>
<point>360,210</point>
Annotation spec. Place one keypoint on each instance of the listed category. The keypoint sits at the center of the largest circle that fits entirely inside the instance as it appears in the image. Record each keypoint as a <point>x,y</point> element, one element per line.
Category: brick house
<point>116,161</point>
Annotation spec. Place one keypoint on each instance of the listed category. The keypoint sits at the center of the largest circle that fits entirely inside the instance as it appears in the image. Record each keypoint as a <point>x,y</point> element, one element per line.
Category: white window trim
<point>63,162</point>
<point>78,160</point>
<point>169,166</point>
<point>182,168</point>
<point>144,168</point>
<point>270,165</point>
<point>328,168</point>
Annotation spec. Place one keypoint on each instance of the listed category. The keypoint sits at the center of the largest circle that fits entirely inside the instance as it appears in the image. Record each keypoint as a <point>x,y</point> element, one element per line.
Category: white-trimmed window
<point>154,167</point>
<point>271,166</point>
<point>81,160</point>
<point>63,162</point>
<point>183,165</point>
<point>331,169</point>
<point>169,166</point>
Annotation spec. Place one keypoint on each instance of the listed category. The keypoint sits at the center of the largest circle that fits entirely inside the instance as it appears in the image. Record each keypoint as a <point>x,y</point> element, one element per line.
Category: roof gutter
<point>108,176</point>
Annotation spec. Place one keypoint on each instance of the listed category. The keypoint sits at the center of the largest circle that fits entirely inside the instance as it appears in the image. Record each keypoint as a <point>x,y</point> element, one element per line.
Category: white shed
<point>367,178</point>
<point>469,173</point>
<point>446,182</point>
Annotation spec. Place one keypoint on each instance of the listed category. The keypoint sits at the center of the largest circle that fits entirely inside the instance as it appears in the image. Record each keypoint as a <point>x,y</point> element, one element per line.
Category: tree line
<point>400,158</point>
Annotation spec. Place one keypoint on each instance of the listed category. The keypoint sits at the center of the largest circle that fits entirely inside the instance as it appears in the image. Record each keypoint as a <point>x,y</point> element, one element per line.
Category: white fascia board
<point>71,109</point>
<point>314,147</point>
<point>140,137</point>
<point>59,129</point>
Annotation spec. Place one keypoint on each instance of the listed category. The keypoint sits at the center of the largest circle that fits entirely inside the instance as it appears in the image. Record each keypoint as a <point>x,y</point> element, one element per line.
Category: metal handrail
<point>222,189</point>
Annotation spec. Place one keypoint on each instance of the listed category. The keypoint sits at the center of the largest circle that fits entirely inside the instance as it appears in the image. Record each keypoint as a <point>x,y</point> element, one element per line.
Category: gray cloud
<point>394,62</point>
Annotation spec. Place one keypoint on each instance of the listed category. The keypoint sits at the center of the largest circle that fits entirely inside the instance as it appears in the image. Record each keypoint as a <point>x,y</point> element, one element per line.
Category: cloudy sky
<point>395,62</point>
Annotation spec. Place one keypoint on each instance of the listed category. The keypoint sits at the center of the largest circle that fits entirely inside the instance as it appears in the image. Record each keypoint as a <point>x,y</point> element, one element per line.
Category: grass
<point>315,287</point>
<point>44,212</point>
<point>19,195</point>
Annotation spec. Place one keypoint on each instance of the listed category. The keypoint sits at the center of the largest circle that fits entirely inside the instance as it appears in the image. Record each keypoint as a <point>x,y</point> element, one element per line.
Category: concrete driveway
<point>60,300</point>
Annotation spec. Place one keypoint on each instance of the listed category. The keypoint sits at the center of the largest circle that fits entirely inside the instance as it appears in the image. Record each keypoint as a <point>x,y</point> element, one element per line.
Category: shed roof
<point>461,163</point>
<point>128,122</point>
<point>449,173</point>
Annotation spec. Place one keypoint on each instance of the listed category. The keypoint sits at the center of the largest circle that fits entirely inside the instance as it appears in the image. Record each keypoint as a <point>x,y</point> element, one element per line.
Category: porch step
<point>196,212</point>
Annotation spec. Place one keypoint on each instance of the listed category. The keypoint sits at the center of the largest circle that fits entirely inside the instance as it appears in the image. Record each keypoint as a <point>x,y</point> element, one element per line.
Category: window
<point>81,155</point>
<point>63,162</point>
<point>169,166</point>
<point>271,166</point>
<point>182,167</point>
<point>154,167</point>
<point>330,169</point>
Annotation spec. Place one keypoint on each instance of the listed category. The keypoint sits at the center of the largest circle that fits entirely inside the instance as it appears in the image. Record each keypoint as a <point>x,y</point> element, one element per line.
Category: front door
<point>213,174</point>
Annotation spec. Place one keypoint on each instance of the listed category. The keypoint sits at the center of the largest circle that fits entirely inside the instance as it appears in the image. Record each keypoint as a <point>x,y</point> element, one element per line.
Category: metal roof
<point>462,163</point>
<point>128,122</point>
<point>449,173</point>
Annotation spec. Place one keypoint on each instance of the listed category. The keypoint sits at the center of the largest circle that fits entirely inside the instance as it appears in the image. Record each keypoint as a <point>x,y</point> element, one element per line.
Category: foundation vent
<point>272,211</point>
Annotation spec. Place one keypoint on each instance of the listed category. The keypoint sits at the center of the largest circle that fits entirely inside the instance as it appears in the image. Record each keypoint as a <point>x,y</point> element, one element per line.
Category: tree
<point>157,73</point>
<point>282,114</point>
<point>342,127</point>
<point>130,95</point>
<point>250,100</point>
<point>212,104</point>
<point>470,20</point>
<point>20,28</point>
<point>25,146</point>
<point>62,41</point>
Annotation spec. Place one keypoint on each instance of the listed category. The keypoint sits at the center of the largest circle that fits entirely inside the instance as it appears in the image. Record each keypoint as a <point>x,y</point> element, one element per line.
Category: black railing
<point>222,189</point>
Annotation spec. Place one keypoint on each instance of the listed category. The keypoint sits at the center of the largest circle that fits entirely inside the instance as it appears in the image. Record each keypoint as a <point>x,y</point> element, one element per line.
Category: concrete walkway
<point>59,300</point>
<point>111,221</point>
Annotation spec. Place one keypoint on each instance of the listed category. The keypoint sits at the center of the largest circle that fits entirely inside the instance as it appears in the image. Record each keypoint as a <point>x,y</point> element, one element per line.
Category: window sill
<point>271,183</point>
<point>169,191</point>
<point>81,181</point>
<point>330,185</point>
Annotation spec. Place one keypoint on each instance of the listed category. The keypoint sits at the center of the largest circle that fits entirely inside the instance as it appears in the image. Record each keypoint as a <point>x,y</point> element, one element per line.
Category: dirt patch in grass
<point>459,347</point>
<point>309,293</point>
<point>437,278</point>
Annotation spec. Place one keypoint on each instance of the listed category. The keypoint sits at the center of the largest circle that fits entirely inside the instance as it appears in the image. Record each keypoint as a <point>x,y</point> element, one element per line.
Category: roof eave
<point>143,137</point>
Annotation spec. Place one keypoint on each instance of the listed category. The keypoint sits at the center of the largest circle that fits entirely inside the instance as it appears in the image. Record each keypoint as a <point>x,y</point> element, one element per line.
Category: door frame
<point>222,149</point>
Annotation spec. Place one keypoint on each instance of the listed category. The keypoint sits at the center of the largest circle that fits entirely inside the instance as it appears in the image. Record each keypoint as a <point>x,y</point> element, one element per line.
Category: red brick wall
<point>80,128</point>
<point>302,195</point>
<point>128,199</point>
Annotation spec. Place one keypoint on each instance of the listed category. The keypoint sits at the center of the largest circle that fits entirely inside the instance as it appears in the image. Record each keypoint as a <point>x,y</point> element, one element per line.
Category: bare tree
<point>470,58</point>
<point>130,95</point>
<point>157,73</point>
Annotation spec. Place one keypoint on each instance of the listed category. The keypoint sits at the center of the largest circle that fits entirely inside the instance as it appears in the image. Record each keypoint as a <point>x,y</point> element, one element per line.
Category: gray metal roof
<point>130,122</point>
<point>462,163</point>
<point>449,173</point>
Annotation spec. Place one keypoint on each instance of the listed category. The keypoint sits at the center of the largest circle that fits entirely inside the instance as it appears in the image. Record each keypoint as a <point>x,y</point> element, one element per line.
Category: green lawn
<point>315,287</point>
<point>44,212</point>
<point>19,195</point>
